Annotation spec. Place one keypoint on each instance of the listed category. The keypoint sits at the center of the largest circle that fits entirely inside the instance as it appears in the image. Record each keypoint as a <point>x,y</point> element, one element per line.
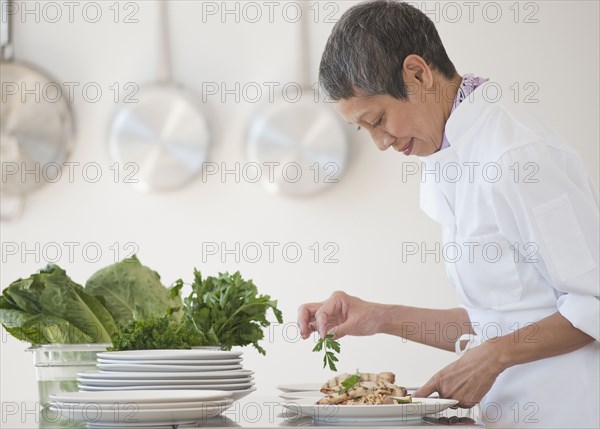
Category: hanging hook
<point>8,9</point>
<point>164,72</point>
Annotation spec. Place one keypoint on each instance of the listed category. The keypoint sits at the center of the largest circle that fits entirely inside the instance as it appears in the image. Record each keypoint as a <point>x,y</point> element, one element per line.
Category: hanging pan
<point>164,134</point>
<point>305,138</point>
<point>36,126</point>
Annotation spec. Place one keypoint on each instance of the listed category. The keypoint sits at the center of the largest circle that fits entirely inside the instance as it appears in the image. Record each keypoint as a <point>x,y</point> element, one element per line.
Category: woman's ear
<point>417,71</point>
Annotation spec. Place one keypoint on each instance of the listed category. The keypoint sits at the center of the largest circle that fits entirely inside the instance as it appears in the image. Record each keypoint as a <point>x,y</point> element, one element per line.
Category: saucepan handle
<point>8,9</point>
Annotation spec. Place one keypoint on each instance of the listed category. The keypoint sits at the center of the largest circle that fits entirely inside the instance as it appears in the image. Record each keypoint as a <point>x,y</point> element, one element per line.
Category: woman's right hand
<point>341,314</point>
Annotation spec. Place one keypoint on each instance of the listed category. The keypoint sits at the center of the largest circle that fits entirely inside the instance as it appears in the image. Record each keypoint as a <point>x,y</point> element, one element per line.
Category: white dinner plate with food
<point>169,354</point>
<point>140,396</point>
<point>91,388</point>
<point>301,395</point>
<point>160,382</point>
<point>122,375</point>
<point>173,415</point>
<point>202,362</point>
<point>399,412</point>
<point>165,368</point>
<point>300,387</point>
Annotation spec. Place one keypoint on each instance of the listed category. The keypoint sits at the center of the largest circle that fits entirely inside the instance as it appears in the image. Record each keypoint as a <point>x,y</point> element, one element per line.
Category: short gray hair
<point>368,45</point>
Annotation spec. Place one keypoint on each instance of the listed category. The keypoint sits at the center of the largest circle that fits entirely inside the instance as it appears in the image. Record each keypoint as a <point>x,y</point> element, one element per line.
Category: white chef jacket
<point>521,237</point>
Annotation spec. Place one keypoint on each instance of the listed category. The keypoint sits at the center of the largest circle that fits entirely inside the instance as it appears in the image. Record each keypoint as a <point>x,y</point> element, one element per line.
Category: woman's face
<point>407,127</point>
<point>413,127</point>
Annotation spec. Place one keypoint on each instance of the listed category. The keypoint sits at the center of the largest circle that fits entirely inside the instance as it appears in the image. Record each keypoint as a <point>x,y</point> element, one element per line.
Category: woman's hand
<point>468,379</point>
<point>340,315</point>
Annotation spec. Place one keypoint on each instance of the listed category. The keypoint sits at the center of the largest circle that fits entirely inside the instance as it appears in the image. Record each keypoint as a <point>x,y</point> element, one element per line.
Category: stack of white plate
<point>169,370</point>
<point>138,408</point>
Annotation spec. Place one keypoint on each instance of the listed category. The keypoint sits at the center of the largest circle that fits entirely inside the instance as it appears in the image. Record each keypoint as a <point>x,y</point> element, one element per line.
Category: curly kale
<point>155,333</point>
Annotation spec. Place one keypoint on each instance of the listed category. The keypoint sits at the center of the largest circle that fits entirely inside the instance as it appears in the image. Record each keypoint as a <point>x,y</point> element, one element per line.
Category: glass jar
<point>57,365</point>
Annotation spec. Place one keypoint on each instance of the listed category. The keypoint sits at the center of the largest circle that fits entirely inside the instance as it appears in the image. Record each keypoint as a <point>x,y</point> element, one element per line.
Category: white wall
<point>369,214</point>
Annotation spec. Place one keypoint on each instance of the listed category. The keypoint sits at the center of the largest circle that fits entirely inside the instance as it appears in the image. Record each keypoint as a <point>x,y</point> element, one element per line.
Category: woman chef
<point>528,229</point>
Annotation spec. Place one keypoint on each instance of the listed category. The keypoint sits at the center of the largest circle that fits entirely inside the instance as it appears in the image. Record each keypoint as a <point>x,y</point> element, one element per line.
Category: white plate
<point>173,415</point>
<point>203,362</point>
<point>165,368</point>
<point>141,397</point>
<point>227,387</point>
<point>169,354</point>
<point>129,406</point>
<point>340,413</point>
<point>154,425</point>
<point>121,375</point>
<point>236,395</point>
<point>301,395</point>
<point>300,387</point>
<point>141,382</point>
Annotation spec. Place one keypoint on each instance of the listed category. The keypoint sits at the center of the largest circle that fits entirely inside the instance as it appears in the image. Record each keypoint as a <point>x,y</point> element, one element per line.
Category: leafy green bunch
<point>49,307</point>
<point>132,291</point>
<point>227,310</point>
<point>154,333</point>
<point>126,303</point>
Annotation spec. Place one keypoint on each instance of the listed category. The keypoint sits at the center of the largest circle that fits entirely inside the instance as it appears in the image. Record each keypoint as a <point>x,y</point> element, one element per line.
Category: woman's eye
<point>378,123</point>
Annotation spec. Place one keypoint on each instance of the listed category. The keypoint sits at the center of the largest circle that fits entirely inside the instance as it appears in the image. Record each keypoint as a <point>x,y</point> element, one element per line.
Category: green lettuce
<point>49,307</point>
<point>132,291</point>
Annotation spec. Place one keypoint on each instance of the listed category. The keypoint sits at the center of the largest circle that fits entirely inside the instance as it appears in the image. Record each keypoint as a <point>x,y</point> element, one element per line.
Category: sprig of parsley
<point>330,346</point>
<point>349,383</point>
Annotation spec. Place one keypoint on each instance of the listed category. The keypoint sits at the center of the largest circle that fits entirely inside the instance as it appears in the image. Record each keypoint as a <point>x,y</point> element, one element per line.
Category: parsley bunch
<point>331,346</point>
<point>227,310</point>
<point>154,333</point>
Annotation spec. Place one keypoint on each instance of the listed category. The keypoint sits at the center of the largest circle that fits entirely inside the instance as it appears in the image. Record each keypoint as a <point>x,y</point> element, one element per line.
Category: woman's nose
<point>382,139</point>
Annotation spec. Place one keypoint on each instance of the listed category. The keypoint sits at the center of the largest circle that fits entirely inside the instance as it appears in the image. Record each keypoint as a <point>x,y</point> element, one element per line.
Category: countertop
<point>254,411</point>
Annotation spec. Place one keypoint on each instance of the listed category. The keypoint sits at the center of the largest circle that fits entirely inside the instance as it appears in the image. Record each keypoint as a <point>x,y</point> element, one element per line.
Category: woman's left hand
<point>468,379</point>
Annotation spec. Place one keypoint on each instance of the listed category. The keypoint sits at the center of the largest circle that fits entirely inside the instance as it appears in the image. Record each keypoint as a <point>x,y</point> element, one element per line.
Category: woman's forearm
<point>549,337</point>
<point>432,327</point>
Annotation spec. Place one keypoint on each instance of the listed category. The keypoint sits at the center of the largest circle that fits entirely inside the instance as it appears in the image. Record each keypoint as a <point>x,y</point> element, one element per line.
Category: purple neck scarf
<point>467,86</point>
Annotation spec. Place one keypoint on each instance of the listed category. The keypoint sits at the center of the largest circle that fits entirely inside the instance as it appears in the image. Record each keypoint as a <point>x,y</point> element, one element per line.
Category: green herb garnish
<point>157,333</point>
<point>331,346</point>
<point>349,383</point>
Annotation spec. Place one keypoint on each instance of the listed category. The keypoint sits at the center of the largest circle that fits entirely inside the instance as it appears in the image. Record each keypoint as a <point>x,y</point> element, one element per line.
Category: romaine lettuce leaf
<point>49,307</point>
